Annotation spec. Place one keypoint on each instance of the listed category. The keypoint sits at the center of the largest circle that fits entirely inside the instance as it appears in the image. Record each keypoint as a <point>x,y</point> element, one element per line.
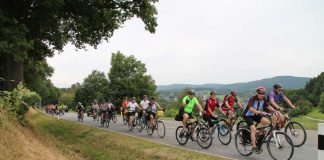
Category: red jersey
<point>231,100</point>
<point>211,103</point>
<point>125,103</point>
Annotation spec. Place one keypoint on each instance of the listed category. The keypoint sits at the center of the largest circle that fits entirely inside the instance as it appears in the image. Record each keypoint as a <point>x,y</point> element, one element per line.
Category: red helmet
<point>233,93</point>
<point>261,90</point>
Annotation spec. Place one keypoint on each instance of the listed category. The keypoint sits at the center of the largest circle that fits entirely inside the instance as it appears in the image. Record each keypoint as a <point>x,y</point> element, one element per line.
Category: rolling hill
<point>289,82</point>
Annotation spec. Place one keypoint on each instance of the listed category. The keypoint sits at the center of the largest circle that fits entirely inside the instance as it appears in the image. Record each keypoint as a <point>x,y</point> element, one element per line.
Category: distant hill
<point>289,82</point>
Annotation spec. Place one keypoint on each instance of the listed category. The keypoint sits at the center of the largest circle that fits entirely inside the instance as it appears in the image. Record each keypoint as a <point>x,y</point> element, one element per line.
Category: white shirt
<point>132,106</point>
<point>145,104</point>
<point>155,107</point>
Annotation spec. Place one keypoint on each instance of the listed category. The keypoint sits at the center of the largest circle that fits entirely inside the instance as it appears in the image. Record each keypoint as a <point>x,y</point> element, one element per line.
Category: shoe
<point>256,150</point>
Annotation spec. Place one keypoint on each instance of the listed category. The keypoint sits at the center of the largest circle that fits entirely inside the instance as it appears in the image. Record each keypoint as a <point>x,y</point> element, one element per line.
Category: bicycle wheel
<point>242,143</point>
<point>240,125</point>
<point>280,146</point>
<point>139,124</point>
<point>131,126</point>
<point>297,133</point>
<point>143,123</point>
<point>204,138</point>
<point>125,120</point>
<point>107,123</point>
<point>224,134</point>
<point>181,136</point>
<point>114,118</point>
<point>161,129</point>
<point>149,129</point>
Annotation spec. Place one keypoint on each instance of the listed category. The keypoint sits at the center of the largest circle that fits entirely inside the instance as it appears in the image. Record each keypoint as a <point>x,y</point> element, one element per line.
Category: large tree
<point>127,77</point>
<point>94,87</point>
<point>31,30</point>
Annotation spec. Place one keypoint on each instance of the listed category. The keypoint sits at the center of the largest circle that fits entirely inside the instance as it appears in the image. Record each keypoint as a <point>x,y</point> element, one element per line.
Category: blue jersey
<point>277,97</point>
<point>256,103</point>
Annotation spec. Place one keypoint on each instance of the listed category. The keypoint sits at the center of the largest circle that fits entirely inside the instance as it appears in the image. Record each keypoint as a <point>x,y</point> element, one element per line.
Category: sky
<point>211,41</point>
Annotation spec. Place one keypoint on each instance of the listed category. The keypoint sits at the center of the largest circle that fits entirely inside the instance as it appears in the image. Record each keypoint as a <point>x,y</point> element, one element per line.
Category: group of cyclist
<point>56,109</point>
<point>147,109</point>
<point>257,107</point>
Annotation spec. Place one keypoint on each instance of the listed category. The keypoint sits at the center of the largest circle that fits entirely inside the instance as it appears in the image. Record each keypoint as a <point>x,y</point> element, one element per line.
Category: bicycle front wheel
<point>138,124</point>
<point>149,129</point>
<point>243,142</point>
<point>161,129</point>
<point>280,146</point>
<point>224,134</point>
<point>297,133</point>
<point>181,135</point>
<point>204,138</point>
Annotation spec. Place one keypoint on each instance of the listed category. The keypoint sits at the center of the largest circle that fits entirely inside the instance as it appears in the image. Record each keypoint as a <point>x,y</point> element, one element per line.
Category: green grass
<point>315,113</point>
<point>94,143</point>
<point>307,123</point>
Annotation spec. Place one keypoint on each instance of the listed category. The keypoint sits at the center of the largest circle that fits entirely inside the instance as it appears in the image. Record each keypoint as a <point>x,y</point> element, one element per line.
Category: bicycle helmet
<point>261,90</point>
<point>233,93</point>
<point>212,92</point>
<point>276,86</point>
<point>191,92</point>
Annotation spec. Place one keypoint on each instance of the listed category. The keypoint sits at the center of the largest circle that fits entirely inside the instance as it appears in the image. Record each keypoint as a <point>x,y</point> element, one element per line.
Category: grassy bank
<point>94,143</point>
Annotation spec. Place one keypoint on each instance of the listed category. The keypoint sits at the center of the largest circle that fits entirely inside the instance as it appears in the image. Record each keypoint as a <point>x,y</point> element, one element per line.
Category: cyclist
<point>253,113</point>
<point>144,104</point>
<point>152,109</point>
<point>188,102</point>
<point>80,108</point>
<point>124,106</point>
<point>110,108</point>
<point>211,104</point>
<point>95,109</point>
<point>131,109</point>
<point>227,106</point>
<point>275,97</point>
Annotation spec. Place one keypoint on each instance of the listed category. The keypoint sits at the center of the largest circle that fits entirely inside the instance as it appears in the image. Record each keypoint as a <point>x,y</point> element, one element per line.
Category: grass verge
<point>94,143</point>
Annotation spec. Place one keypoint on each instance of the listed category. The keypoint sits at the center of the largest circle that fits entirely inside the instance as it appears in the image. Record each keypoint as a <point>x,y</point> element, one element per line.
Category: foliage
<point>67,99</point>
<point>314,88</point>
<point>321,102</point>
<point>13,104</point>
<point>127,77</point>
<point>94,87</point>
<point>302,108</point>
<point>31,98</point>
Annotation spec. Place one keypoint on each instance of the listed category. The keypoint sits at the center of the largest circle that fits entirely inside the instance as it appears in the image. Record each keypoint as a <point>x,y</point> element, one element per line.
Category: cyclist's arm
<point>289,102</point>
<point>220,109</point>
<point>227,105</point>
<point>273,103</point>
<point>200,107</point>
<point>240,104</point>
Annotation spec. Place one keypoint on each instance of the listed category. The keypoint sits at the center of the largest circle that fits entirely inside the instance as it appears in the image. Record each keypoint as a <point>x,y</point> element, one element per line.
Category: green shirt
<point>191,104</point>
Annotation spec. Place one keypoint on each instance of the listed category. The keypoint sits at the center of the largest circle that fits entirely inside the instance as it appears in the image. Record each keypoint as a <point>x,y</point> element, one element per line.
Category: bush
<point>31,98</point>
<point>302,108</point>
<point>321,103</point>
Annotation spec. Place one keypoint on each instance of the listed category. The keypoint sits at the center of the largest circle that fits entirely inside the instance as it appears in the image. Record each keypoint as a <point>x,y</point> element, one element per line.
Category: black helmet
<point>153,98</point>
<point>191,92</point>
<point>276,86</point>
<point>212,92</point>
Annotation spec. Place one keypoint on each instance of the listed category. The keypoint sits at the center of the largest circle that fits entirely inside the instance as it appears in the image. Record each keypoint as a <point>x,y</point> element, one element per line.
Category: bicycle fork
<point>277,139</point>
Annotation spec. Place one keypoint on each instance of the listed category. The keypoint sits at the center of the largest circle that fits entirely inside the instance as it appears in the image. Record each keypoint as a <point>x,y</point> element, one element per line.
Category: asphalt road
<point>306,152</point>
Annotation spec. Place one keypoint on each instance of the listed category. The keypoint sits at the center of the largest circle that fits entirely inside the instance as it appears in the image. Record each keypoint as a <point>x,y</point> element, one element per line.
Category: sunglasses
<point>261,93</point>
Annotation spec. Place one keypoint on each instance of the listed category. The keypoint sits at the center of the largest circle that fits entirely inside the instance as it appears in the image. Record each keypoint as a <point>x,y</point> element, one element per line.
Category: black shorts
<point>251,119</point>
<point>131,113</point>
<point>189,114</point>
<point>151,113</point>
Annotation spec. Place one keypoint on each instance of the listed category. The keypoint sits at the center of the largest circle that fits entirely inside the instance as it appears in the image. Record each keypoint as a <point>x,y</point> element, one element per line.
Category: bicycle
<point>237,118</point>
<point>223,131</point>
<point>158,125</point>
<point>293,129</point>
<point>105,120</point>
<point>198,127</point>
<point>132,121</point>
<point>274,139</point>
<point>80,116</point>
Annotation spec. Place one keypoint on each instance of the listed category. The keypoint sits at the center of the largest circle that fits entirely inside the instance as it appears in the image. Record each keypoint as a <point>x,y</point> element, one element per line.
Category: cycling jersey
<point>211,103</point>
<point>190,103</point>
<point>231,100</point>
<point>257,104</point>
<point>144,103</point>
<point>277,97</point>
<point>125,103</point>
<point>154,107</point>
<point>132,106</point>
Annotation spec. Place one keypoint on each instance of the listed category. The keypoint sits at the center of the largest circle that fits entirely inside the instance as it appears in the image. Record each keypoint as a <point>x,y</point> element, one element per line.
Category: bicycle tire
<point>185,137</point>
<point>291,137</point>
<point>289,143</point>
<point>160,123</point>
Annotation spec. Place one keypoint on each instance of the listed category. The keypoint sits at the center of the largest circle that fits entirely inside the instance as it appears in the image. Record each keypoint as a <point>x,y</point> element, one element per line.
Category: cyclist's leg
<point>151,119</point>
<point>264,121</point>
<point>185,119</point>
<point>249,120</point>
<point>230,117</point>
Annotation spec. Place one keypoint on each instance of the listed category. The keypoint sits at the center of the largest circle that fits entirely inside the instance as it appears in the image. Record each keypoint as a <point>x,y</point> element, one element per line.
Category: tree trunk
<point>12,72</point>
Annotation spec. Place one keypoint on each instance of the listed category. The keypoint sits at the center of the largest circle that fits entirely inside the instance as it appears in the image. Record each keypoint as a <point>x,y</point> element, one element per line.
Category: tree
<point>315,87</point>
<point>321,102</point>
<point>32,30</point>
<point>94,87</point>
<point>128,77</point>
